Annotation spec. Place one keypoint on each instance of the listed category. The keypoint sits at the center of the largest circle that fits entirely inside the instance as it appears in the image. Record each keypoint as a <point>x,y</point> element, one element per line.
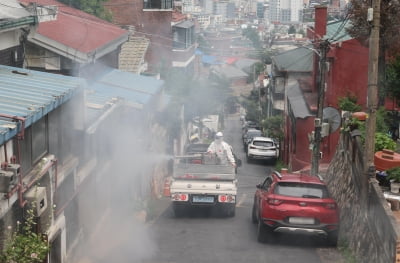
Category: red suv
<point>294,203</point>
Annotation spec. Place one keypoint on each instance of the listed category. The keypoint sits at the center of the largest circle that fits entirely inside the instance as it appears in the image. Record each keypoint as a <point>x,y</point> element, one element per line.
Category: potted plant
<point>394,178</point>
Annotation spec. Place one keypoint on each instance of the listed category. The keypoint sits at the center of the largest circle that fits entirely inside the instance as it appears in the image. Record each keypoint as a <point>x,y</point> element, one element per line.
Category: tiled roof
<point>76,31</point>
<point>31,95</point>
<point>131,57</point>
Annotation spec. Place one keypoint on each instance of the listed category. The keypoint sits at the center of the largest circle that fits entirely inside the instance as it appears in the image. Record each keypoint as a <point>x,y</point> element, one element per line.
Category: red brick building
<point>171,36</point>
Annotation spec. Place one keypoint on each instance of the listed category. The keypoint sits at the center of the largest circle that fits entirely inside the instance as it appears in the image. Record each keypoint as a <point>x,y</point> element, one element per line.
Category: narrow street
<point>203,236</point>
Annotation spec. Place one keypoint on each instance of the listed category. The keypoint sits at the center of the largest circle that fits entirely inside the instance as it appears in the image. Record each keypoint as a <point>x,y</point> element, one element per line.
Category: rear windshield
<point>253,133</point>
<point>263,143</point>
<point>301,190</point>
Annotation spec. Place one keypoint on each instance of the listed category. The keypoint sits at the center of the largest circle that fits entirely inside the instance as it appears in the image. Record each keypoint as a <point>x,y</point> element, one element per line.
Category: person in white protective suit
<point>222,149</point>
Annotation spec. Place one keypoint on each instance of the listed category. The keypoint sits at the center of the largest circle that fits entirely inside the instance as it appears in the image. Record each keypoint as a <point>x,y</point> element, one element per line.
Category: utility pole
<point>324,47</point>
<point>372,97</point>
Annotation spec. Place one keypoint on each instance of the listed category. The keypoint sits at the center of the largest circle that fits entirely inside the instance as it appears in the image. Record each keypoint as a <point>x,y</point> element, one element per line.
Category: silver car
<point>262,148</point>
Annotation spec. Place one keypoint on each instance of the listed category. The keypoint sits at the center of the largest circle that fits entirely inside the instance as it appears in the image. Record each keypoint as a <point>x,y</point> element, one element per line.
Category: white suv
<point>262,148</point>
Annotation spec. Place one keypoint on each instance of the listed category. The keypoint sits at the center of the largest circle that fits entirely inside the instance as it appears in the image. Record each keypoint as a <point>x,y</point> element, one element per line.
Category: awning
<point>297,102</point>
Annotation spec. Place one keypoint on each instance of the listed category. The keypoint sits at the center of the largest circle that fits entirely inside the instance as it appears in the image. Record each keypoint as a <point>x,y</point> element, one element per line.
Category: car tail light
<point>330,206</point>
<point>252,147</point>
<point>180,197</point>
<point>226,198</point>
<point>196,161</point>
<point>273,201</point>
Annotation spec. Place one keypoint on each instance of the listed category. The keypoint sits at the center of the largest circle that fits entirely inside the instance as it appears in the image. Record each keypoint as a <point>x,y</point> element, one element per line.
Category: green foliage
<point>273,126</point>
<point>24,245</point>
<point>203,44</point>
<point>394,174</point>
<point>382,118</point>
<point>93,7</point>
<point>383,141</point>
<point>349,103</point>
<point>292,30</point>
<point>280,165</point>
<point>393,79</point>
<point>252,110</point>
<point>252,35</point>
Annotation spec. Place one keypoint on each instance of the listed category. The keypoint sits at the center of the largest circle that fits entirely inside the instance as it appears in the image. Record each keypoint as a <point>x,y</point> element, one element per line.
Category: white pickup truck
<point>203,180</point>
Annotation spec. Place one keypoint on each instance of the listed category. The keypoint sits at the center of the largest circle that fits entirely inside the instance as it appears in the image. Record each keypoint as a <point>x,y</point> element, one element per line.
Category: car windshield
<point>263,143</point>
<point>301,190</point>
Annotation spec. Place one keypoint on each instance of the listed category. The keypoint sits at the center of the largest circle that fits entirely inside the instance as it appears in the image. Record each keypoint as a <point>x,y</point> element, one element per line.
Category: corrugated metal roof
<point>295,60</point>
<point>31,95</point>
<point>135,89</point>
<point>297,102</point>
<point>336,31</point>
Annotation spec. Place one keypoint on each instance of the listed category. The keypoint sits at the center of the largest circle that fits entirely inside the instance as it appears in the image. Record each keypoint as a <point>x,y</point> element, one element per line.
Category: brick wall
<point>370,232</point>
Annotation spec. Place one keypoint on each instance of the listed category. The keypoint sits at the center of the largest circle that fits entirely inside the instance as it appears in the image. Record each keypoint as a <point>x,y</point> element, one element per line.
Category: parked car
<point>262,148</point>
<point>294,203</point>
<point>250,134</point>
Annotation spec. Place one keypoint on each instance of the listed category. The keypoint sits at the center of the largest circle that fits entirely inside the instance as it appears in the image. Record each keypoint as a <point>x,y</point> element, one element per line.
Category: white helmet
<point>219,135</point>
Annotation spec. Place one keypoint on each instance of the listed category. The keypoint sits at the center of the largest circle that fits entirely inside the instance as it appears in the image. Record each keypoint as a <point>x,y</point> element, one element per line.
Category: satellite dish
<point>332,116</point>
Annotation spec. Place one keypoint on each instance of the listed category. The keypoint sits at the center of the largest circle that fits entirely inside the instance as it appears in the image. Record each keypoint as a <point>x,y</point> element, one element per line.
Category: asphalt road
<point>203,236</point>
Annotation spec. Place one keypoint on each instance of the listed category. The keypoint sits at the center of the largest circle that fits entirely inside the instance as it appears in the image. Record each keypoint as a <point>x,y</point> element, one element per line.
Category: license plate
<point>301,220</point>
<point>203,199</point>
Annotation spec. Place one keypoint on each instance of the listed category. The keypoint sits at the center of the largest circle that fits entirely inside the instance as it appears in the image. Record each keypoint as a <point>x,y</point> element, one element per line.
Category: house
<point>347,64</point>
<point>170,33</point>
<point>15,24</point>
<point>71,42</point>
<point>38,122</point>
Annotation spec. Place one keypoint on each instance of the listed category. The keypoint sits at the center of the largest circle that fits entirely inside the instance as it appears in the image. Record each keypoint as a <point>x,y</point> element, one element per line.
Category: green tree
<point>93,7</point>
<point>393,78</point>
<point>252,35</point>
<point>388,32</point>
<point>273,126</point>
<point>292,30</point>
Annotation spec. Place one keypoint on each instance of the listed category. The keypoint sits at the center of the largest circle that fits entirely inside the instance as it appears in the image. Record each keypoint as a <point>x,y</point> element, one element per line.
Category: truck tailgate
<point>204,187</point>
<point>199,171</point>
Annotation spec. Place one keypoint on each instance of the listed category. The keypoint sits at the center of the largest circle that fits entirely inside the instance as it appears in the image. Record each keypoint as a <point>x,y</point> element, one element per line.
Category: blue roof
<point>131,82</point>
<point>116,86</point>
<point>31,95</point>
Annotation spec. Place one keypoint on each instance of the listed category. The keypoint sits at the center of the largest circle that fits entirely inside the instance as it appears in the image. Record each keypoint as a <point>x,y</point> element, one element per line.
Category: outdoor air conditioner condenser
<point>37,199</point>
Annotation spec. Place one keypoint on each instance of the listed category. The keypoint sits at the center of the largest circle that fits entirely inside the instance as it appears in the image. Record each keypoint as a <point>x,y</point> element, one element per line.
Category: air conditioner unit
<point>37,199</point>
<point>12,167</point>
<point>7,180</point>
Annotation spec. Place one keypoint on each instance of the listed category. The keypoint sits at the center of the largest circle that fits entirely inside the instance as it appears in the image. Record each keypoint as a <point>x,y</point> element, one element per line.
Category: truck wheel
<point>179,210</point>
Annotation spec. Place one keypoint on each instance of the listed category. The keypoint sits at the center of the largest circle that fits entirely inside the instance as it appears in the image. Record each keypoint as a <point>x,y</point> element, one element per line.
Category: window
<point>263,143</point>
<point>183,36</point>
<point>34,145</point>
<point>157,4</point>
<point>301,190</point>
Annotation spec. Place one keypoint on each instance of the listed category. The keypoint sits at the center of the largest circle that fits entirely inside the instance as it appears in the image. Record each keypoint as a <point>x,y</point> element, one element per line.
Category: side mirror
<point>258,186</point>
